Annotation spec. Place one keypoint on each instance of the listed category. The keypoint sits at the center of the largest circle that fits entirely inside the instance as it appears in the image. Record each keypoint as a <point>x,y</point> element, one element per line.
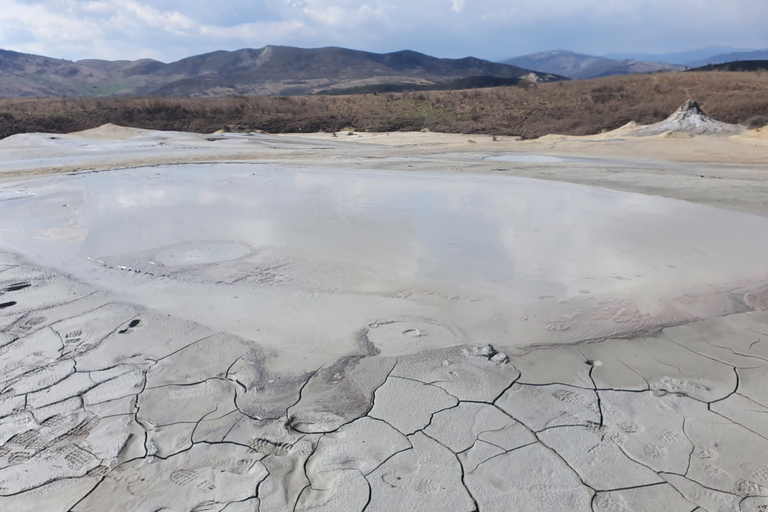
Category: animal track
<point>705,452</point>
<point>655,451</point>
<point>758,472</point>
<point>713,471</point>
<point>747,488</point>
<point>629,428</point>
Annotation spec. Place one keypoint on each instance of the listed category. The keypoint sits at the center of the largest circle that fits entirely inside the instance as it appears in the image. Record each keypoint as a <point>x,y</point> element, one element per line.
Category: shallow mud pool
<point>247,337</point>
<point>490,255</point>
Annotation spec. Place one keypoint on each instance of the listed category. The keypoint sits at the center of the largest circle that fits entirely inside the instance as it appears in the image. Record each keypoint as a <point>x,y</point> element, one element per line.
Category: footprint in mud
<point>136,322</point>
<point>187,478</point>
<point>31,440</point>
<point>5,305</point>
<point>82,430</point>
<point>16,287</point>
<point>77,459</point>
<point>18,458</point>
<point>183,477</point>
<point>268,447</point>
<point>98,471</point>
<point>30,323</point>
<point>567,396</point>
<point>205,486</point>
<point>73,337</point>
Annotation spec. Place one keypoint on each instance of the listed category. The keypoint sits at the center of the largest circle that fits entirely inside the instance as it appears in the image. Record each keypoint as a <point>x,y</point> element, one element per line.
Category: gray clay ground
<point>108,404</point>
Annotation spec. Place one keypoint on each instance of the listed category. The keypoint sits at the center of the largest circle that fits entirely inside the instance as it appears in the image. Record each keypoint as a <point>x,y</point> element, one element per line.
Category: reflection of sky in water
<point>499,235</point>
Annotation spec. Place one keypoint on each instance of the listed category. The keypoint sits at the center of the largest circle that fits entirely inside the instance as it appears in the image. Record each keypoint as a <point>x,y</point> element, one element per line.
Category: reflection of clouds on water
<point>53,213</point>
<point>145,198</point>
<point>497,235</point>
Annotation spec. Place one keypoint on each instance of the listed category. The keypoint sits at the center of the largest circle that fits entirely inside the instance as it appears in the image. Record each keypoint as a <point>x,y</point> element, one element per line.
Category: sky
<point>168,30</point>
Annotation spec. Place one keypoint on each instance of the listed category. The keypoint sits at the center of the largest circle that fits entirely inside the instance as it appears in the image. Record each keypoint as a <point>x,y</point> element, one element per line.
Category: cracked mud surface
<point>107,406</point>
<point>226,373</point>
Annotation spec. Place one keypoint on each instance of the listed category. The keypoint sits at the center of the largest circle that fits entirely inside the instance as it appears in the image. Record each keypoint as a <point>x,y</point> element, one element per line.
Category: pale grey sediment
<point>249,337</point>
<point>95,417</point>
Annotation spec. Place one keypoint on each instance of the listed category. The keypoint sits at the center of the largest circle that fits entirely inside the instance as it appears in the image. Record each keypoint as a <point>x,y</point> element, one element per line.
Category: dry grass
<point>576,108</point>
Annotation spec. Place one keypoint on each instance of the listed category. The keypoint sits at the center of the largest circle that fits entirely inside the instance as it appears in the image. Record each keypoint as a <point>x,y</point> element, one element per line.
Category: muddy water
<point>312,257</point>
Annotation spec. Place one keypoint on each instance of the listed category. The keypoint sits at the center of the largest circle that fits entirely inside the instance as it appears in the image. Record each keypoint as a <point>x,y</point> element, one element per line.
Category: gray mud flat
<point>259,338</point>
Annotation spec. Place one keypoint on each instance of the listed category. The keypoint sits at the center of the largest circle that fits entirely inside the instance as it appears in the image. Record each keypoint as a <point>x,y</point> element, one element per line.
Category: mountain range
<point>271,70</point>
<point>581,67</point>
<point>285,70</point>
<point>682,58</point>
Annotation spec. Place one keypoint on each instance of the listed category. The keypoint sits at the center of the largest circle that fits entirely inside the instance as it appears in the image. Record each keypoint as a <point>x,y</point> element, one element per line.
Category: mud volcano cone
<point>689,119</point>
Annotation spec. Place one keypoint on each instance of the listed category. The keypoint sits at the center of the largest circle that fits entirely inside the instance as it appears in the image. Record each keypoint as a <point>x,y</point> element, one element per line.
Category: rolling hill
<point>731,57</point>
<point>250,72</point>
<point>581,67</point>
<point>736,66</point>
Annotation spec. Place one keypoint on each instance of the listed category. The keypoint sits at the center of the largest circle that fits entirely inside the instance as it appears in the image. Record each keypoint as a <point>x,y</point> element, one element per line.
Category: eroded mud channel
<point>248,337</point>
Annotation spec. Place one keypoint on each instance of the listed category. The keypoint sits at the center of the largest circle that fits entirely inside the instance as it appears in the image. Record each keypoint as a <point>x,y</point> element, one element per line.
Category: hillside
<point>471,82</point>
<point>737,66</point>
<point>572,107</point>
<point>681,58</point>
<point>250,72</point>
<point>730,57</point>
<point>581,67</point>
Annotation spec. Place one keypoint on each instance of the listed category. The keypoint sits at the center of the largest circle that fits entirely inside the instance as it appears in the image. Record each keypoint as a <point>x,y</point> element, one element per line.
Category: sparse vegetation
<point>738,65</point>
<point>757,122</point>
<point>577,107</point>
<point>472,82</point>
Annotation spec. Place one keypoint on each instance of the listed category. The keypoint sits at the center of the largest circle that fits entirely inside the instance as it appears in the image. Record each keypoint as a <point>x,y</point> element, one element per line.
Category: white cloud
<point>172,29</point>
